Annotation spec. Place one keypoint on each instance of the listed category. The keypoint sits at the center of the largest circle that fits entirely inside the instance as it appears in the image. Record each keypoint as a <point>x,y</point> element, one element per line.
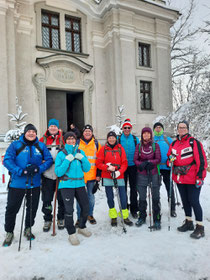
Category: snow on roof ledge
<point>162,4</point>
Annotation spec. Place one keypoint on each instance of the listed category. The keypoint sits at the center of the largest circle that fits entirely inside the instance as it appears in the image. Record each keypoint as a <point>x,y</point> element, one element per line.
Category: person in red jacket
<point>54,140</point>
<point>189,171</point>
<point>112,158</point>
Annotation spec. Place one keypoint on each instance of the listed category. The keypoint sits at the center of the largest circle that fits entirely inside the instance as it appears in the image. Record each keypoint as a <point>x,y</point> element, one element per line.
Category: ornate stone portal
<point>63,72</point>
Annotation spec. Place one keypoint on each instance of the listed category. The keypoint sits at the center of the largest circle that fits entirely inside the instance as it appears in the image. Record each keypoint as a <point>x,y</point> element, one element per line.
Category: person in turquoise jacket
<point>70,165</point>
<point>129,142</point>
<point>164,143</point>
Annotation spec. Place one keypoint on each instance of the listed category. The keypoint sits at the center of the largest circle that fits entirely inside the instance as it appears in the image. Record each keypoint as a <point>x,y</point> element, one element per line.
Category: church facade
<point>78,60</point>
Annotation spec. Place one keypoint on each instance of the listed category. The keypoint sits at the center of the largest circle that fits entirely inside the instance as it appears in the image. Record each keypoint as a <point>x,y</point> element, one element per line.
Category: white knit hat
<point>127,122</point>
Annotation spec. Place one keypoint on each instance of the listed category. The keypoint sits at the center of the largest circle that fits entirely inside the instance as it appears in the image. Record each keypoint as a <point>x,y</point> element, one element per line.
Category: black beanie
<point>185,122</point>
<point>69,134</point>
<point>87,126</point>
<point>111,133</point>
<point>158,124</point>
<point>28,127</point>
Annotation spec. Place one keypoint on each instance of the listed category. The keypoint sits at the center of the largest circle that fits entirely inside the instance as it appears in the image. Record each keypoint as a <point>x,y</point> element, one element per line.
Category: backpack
<point>153,148</point>
<point>165,139</point>
<point>113,151</point>
<point>134,139</point>
<point>19,150</point>
<point>191,142</point>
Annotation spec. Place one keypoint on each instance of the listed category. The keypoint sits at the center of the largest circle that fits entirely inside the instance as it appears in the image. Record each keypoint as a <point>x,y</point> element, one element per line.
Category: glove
<point>172,158</point>
<point>199,183</point>
<point>95,187</point>
<point>31,170</point>
<point>79,156</point>
<point>70,157</point>
<point>143,165</point>
<point>149,166</point>
<point>117,174</point>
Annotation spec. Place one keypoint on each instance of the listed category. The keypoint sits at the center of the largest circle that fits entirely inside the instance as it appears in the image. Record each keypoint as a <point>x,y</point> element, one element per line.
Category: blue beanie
<point>53,122</point>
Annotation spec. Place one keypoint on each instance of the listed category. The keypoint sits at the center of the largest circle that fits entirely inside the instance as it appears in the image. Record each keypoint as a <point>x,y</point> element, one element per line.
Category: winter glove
<point>79,156</point>
<point>149,166</point>
<point>199,183</point>
<point>31,170</point>
<point>111,168</point>
<point>95,187</point>
<point>172,158</point>
<point>117,174</point>
<point>143,165</point>
<point>70,157</point>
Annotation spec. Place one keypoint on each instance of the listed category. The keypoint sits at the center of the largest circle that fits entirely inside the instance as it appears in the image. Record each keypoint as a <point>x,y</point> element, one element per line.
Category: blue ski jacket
<point>28,155</point>
<point>71,173</point>
<point>164,147</point>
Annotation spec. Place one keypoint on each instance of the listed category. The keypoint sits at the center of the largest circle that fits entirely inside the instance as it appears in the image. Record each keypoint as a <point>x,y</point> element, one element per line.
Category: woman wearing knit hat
<point>70,165</point>
<point>147,156</point>
<point>112,158</point>
<point>54,140</point>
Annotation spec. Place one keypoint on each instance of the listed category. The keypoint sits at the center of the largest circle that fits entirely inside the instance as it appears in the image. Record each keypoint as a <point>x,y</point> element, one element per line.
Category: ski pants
<point>91,199</point>
<point>166,179</point>
<point>68,196</point>
<point>110,196</point>
<point>143,182</point>
<point>14,201</point>
<point>48,190</point>
<point>131,174</point>
<point>190,200</point>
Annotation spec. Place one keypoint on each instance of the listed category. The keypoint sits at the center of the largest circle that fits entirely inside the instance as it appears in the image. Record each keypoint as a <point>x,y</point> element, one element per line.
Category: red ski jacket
<point>49,139</point>
<point>115,156</point>
<point>190,163</point>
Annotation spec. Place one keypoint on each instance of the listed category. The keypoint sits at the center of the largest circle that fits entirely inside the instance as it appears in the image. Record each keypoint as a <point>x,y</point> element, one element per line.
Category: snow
<point>109,253</point>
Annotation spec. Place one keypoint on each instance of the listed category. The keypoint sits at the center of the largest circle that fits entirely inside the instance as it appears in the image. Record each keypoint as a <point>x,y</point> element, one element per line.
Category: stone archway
<point>63,72</point>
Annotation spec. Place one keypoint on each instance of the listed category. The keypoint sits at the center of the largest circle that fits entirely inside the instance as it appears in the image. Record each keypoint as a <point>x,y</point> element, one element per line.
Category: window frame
<point>141,46</point>
<point>142,95</point>
<point>72,31</point>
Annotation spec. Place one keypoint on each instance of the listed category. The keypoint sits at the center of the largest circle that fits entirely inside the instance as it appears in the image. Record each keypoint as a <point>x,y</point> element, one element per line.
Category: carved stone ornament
<point>64,75</point>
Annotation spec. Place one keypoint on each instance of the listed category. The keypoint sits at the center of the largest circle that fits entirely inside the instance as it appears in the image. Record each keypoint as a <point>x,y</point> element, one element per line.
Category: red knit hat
<point>127,122</point>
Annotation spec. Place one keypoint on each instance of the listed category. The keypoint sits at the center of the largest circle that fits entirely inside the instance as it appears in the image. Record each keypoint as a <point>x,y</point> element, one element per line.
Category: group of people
<point>76,166</point>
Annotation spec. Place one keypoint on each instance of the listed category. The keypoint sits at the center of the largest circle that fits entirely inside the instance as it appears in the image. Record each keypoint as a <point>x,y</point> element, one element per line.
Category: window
<point>73,34</point>
<point>144,55</point>
<point>146,95</point>
<point>50,30</point>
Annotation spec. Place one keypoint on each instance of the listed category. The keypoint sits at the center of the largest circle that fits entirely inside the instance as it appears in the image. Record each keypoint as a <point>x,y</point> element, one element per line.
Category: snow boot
<point>128,222</point>
<point>73,239</point>
<point>85,232</point>
<point>47,226</point>
<point>134,215</point>
<point>198,232</point>
<point>60,224</point>
<point>92,220</point>
<point>114,222</point>
<point>29,235</point>
<point>187,225</point>
<point>156,226</point>
<point>8,240</point>
<point>140,222</point>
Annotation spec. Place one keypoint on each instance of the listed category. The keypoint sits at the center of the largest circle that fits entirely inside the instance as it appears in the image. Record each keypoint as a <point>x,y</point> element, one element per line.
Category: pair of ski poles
<point>24,206</point>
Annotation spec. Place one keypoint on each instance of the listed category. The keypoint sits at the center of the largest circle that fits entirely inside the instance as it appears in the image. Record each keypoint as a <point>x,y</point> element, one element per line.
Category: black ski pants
<point>143,181</point>
<point>166,179</point>
<point>190,200</point>
<point>14,201</point>
<point>131,175</point>
<point>48,190</point>
<point>68,196</point>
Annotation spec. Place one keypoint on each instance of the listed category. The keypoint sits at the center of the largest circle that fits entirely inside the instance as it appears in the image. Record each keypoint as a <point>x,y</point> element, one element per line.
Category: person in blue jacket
<point>70,165</point>
<point>129,142</point>
<point>164,143</point>
<point>26,159</point>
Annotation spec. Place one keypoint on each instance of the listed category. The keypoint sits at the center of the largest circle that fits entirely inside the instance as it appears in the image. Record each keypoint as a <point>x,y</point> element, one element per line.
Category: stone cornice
<point>84,67</point>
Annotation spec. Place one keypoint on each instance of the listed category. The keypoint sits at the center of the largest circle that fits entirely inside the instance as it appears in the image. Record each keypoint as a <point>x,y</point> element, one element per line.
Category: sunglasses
<point>127,127</point>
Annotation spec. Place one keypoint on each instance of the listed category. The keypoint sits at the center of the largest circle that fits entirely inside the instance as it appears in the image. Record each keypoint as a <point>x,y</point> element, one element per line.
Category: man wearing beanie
<point>164,143</point>
<point>91,146</point>
<point>129,142</point>
<point>26,159</point>
<point>54,140</point>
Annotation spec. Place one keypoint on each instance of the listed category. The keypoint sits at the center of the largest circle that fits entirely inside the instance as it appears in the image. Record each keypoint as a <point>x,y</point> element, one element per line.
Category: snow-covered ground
<point>109,253</point>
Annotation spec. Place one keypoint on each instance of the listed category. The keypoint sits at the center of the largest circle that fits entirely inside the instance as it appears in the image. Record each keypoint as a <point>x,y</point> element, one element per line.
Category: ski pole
<point>118,198</point>
<point>169,201</point>
<point>177,200</point>
<point>24,206</point>
<point>31,210</point>
<point>150,204</point>
<point>54,209</point>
